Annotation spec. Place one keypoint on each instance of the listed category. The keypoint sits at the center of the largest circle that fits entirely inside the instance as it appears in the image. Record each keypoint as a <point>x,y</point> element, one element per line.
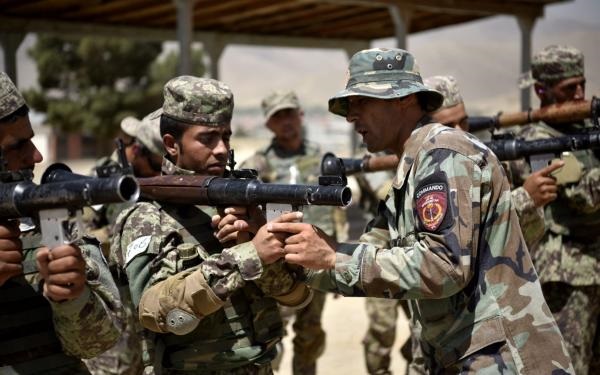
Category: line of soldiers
<point>205,286</point>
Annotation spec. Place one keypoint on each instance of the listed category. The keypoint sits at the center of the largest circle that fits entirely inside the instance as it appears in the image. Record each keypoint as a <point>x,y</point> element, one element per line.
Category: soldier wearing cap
<point>59,306</point>
<point>446,238</point>
<point>568,256</point>
<point>291,159</point>
<point>144,150</point>
<point>206,308</point>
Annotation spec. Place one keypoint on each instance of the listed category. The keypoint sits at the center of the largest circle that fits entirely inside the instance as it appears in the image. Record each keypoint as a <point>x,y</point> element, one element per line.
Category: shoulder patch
<point>432,204</point>
<point>136,247</point>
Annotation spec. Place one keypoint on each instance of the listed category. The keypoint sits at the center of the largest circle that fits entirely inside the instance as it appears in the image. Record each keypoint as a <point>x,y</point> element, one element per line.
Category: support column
<point>401,20</point>
<point>526,24</point>
<point>214,49</point>
<point>185,28</point>
<point>10,44</point>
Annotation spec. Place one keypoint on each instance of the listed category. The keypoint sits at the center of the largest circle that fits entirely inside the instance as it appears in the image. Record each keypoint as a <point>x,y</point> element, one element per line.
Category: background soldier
<point>447,237</point>
<point>144,150</point>
<point>209,306</point>
<point>55,307</point>
<point>568,257</point>
<point>292,159</point>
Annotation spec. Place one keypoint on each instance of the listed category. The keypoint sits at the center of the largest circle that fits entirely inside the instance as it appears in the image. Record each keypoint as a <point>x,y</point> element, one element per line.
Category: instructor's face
<point>379,122</point>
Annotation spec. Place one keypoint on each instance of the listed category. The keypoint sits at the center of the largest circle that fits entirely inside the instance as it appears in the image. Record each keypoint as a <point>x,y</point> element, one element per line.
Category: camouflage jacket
<point>448,239</point>
<point>302,167</point>
<point>175,266</point>
<point>83,327</point>
<point>570,249</point>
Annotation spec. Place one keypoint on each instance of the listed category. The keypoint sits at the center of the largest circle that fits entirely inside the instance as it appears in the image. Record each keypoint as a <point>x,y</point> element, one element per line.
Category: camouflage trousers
<point>493,359</point>
<point>576,310</point>
<point>309,339</point>
<point>125,357</point>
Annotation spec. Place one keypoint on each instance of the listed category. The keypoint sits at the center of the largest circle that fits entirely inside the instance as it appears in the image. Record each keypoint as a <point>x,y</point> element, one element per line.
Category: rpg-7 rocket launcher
<point>567,112</point>
<point>59,198</point>
<point>242,188</point>
<point>538,153</point>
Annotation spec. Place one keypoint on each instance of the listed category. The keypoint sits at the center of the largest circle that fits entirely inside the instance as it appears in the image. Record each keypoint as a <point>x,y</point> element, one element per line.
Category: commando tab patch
<point>432,203</point>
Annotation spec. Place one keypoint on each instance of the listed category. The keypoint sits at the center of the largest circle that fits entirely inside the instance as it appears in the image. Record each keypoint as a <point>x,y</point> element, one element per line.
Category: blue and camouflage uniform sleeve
<point>91,323</point>
<point>164,283</point>
<point>437,263</point>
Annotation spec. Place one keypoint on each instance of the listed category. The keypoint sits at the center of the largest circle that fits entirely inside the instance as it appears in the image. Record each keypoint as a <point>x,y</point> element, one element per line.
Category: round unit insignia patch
<point>432,202</point>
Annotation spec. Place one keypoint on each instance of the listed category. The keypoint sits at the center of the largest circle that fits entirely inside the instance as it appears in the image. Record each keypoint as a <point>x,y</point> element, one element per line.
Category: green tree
<point>89,85</point>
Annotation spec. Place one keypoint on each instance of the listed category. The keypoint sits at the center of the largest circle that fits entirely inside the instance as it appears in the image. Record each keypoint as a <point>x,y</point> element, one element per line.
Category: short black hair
<point>169,125</point>
<point>21,112</point>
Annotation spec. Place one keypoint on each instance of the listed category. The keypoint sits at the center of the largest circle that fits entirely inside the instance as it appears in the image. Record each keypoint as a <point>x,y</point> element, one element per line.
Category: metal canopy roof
<point>358,20</point>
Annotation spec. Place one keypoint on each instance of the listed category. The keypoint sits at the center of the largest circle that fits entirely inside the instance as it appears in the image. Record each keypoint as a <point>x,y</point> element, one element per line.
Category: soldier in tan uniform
<point>568,256</point>
<point>447,237</point>
<point>209,305</point>
<point>56,306</point>
<point>292,159</point>
<point>143,149</point>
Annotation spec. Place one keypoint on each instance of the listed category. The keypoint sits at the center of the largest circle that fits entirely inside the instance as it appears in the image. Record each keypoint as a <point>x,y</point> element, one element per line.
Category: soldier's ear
<point>171,145</point>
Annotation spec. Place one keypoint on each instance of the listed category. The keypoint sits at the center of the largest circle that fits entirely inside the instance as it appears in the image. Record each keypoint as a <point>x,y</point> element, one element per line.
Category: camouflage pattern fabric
<point>80,328</point>
<point>576,310</point>
<point>303,167</point>
<point>381,334</point>
<point>531,218</point>
<point>569,252</point>
<point>448,87</point>
<point>178,270</point>
<point>196,100</point>
<point>277,101</point>
<point>385,74</point>
<point>553,64</point>
<point>10,97</point>
<point>146,131</point>
<point>447,238</point>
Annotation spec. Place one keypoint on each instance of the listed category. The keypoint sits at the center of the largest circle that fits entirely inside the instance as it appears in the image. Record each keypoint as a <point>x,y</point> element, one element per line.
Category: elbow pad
<point>298,297</point>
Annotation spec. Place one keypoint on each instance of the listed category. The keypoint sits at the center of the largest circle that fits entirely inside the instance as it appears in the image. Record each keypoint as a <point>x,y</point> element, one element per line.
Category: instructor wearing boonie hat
<point>446,238</point>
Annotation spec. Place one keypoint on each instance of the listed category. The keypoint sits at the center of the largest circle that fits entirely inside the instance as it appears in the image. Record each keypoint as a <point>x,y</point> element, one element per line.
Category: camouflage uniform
<point>207,309</point>
<point>38,336</point>
<point>447,239</point>
<point>126,356</point>
<point>567,258</point>
<point>302,166</point>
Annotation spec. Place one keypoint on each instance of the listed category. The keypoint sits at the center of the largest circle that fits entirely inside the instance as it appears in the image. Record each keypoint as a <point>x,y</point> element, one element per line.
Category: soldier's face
<point>570,89</point>
<point>379,122</point>
<point>18,150</point>
<point>286,125</point>
<point>204,149</point>
<point>454,117</point>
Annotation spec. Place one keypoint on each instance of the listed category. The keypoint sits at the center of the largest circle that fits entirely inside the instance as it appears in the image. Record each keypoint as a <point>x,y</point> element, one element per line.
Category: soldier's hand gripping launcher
<point>59,198</point>
<point>242,188</point>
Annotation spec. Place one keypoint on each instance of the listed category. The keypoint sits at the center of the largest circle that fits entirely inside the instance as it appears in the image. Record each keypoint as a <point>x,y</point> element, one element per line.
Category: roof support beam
<point>185,29</point>
<point>526,25</point>
<point>73,29</point>
<point>10,43</point>
<point>401,20</point>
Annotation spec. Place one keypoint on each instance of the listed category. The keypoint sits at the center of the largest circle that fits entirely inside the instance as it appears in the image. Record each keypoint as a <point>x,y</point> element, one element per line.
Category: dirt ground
<point>345,322</point>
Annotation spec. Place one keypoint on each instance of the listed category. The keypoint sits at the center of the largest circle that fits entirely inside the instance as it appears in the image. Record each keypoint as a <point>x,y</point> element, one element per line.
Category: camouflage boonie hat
<point>552,64</point>
<point>146,131</point>
<point>10,98</point>
<point>448,87</point>
<point>385,74</point>
<point>279,100</point>
<point>199,101</point>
